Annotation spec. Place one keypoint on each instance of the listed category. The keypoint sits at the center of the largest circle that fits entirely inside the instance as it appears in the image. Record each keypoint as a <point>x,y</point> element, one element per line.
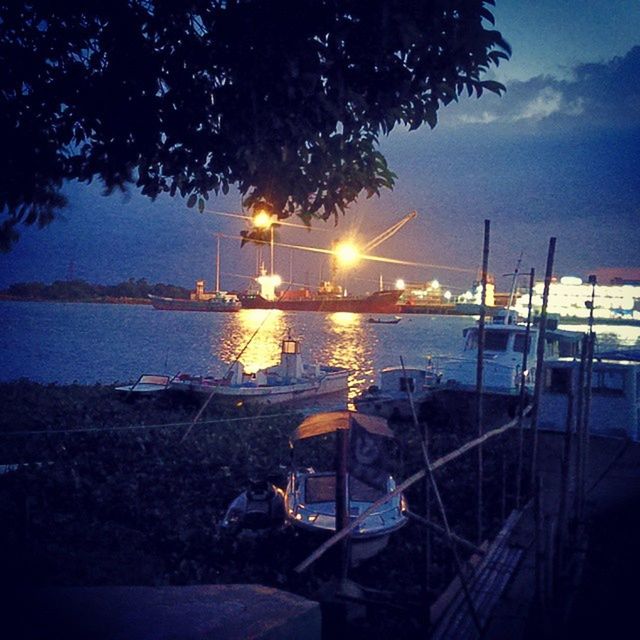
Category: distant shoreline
<point>106,300</point>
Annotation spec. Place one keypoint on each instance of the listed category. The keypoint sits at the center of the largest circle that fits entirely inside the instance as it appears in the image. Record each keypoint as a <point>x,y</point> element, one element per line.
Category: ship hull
<point>378,302</point>
<point>177,304</point>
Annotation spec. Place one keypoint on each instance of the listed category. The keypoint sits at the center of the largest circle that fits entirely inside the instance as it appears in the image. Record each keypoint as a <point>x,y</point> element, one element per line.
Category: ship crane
<point>348,253</point>
<point>388,233</point>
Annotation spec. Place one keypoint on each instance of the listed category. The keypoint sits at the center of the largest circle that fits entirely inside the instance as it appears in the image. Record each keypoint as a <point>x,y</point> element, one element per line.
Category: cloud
<point>598,94</point>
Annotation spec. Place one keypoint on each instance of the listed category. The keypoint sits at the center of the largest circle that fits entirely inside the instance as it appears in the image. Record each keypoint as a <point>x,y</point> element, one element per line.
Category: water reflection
<point>264,328</point>
<point>349,345</point>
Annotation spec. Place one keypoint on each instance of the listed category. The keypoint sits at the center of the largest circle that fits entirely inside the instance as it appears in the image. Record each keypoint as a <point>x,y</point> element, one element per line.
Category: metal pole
<point>271,248</point>
<point>537,392</point>
<point>522,402</point>
<point>479,373</point>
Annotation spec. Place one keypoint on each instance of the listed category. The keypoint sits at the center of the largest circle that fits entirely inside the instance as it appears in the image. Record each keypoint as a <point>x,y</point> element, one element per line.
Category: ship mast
<point>217,262</point>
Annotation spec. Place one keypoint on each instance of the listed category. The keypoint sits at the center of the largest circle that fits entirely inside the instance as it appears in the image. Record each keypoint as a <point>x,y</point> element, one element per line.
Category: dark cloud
<point>601,95</point>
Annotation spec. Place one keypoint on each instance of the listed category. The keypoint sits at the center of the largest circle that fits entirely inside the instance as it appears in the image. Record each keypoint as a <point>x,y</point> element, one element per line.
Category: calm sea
<point>88,343</point>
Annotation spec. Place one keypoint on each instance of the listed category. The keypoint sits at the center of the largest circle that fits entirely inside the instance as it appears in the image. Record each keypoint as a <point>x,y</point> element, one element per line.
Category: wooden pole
<point>479,375</point>
<point>342,499</point>
<point>564,488</point>
<point>540,359</point>
<point>523,391</point>
<point>443,516</point>
<point>580,426</point>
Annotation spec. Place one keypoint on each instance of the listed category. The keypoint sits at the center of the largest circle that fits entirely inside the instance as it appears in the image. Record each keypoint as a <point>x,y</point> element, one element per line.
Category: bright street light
<point>400,284</point>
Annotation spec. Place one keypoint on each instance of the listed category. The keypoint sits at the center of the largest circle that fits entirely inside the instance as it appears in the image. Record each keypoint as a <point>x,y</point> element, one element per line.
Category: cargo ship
<point>199,300</point>
<point>329,298</point>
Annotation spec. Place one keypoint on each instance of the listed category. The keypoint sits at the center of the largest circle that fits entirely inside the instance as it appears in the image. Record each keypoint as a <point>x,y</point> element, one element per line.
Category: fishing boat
<point>390,399</point>
<point>312,496</point>
<point>393,320</point>
<point>147,384</point>
<point>289,381</point>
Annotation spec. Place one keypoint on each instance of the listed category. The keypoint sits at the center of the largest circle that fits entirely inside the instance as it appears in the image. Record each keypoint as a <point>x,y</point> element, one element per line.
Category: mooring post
<point>342,504</point>
<point>579,460</point>
<point>479,375</point>
<point>523,391</point>
<point>540,359</point>
<point>564,490</point>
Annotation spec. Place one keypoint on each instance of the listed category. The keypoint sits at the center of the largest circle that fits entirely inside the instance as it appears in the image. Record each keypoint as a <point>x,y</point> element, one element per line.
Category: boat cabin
<point>504,345</point>
<point>615,396</point>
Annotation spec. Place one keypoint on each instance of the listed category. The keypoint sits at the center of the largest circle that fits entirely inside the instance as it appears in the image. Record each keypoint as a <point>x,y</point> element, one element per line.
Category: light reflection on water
<point>251,335</point>
<point>53,342</point>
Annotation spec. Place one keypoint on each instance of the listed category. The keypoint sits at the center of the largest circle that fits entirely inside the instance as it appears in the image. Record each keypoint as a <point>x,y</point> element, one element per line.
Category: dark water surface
<point>105,343</point>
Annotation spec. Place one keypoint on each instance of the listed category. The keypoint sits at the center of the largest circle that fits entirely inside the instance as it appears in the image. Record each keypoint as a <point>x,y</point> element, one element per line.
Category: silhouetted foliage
<point>76,290</point>
<point>285,98</point>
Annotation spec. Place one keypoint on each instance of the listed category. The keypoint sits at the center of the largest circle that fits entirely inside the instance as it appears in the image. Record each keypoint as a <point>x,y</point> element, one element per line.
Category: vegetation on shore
<point>83,291</point>
<point>101,503</point>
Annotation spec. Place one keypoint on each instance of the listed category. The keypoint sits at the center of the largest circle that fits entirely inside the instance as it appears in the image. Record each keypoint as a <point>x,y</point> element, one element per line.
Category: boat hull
<point>378,302</point>
<point>333,382</point>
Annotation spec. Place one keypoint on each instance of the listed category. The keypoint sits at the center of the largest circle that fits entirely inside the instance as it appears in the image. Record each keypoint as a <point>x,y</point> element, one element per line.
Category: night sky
<point>557,155</point>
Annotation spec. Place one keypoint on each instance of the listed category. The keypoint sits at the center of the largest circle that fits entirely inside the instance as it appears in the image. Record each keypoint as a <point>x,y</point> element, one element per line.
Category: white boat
<point>147,384</point>
<point>504,345</point>
<point>614,407</point>
<point>310,496</point>
<point>390,399</point>
<point>289,381</point>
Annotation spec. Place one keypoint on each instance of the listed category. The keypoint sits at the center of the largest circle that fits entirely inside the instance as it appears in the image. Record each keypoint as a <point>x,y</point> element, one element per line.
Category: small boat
<point>261,506</point>
<point>291,380</point>
<point>310,496</point>
<point>147,384</point>
<point>393,320</point>
<point>390,399</point>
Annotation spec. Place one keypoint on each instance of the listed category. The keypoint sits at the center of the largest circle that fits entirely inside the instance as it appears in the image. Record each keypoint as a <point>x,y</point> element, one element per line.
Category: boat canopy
<point>323,423</point>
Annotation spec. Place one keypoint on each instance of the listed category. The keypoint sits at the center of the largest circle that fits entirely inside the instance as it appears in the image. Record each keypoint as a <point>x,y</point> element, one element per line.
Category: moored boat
<point>390,399</point>
<point>377,302</point>
<point>311,498</point>
<point>289,381</point>
<point>146,384</point>
<point>199,300</point>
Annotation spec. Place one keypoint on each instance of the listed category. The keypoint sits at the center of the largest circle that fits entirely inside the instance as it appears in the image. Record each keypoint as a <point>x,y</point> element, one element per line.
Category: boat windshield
<point>493,340</point>
<point>323,489</point>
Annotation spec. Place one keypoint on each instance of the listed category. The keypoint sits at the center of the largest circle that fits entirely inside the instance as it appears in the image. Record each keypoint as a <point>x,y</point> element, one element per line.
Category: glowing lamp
<point>400,284</point>
<point>435,284</point>
<point>447,295</point>
<point>262,220</point>
<point>347,254</point>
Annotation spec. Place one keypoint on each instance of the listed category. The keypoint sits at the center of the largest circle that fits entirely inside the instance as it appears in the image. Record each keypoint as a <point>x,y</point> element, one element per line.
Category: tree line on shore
<point>78,290</point>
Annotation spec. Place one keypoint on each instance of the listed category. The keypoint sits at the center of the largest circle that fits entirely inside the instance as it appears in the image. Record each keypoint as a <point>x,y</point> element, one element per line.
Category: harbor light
<point>400,285</point>
<point>435,284</point>
<point>347,254</point>
<point>447,295</point>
